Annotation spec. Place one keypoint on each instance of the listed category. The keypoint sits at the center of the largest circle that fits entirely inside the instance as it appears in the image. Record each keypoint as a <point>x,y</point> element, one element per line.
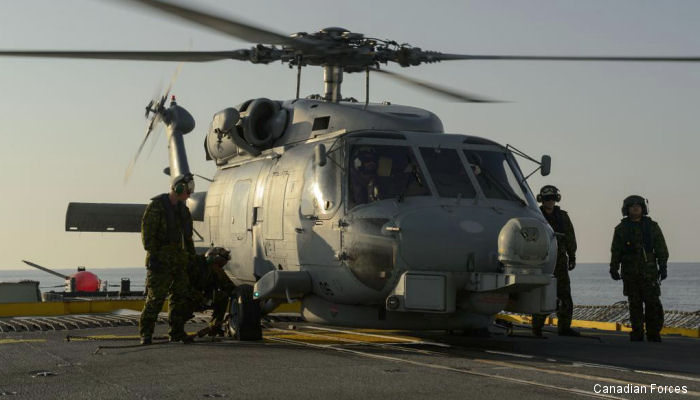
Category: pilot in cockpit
<point>370,175</point>
<point>363,173</point>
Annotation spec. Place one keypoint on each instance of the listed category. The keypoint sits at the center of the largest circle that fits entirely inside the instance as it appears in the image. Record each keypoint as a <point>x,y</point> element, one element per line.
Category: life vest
<point>647,238</point>
<point>175,234</point>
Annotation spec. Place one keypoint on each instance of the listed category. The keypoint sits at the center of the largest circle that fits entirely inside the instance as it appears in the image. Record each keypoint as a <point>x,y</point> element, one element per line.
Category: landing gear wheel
<point>244,315</point>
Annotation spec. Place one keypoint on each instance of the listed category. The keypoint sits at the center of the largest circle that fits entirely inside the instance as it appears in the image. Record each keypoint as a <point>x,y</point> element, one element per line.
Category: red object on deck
<point>86,281</point>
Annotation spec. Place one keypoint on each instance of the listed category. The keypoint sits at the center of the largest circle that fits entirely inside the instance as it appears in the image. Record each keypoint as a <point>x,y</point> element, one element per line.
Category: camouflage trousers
<point>161,281</point>
<point>221,300</point>
<point>219,304</point>
<point>644,305</point>
<point>565,304</point>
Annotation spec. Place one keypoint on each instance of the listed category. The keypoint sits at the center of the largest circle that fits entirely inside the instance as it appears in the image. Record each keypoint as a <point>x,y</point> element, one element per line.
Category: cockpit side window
<point>494,175</point>
<point>378,172</point>
<point>447,172</point>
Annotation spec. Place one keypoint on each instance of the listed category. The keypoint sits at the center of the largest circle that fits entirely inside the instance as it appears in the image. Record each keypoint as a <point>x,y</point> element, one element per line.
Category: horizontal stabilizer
<point>104,217</point>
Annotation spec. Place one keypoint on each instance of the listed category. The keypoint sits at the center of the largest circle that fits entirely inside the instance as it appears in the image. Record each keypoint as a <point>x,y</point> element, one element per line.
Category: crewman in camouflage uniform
<point>639,245</point>
<point>166,231</point>
<point>211,288</point>
<point>566,261</point>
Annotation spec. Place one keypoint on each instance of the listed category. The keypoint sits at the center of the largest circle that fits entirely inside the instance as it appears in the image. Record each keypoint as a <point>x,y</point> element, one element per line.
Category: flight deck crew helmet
<point>549,192</point>
<point>183,183</point>
<point>632,200</point>
<point>217,256</point>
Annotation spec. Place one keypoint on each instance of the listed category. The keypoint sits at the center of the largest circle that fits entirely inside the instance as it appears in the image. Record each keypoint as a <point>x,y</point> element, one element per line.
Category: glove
<point>217,256</point>
<point>615,274</point>
<point>663,272</point>
<point>572,264</point>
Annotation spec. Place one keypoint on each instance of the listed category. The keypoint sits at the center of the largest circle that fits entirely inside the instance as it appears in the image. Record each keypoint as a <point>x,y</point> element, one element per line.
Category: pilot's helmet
<point>549,192</point>
<point>474,161</point>
<point>632,200</point>
<point>365,160</point>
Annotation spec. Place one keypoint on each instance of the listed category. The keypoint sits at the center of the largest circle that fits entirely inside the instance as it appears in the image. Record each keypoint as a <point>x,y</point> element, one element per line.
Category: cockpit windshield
<point>448,173</point>
<point>495,175</point>
<point>379,172</point>
<point>383,171</point>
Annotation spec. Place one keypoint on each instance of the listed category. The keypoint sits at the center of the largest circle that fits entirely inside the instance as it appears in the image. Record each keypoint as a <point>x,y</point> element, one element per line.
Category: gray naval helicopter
<point>368,215</point>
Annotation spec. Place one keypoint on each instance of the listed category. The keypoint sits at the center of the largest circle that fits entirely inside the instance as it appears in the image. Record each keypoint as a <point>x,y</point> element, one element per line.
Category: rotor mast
<point>332,81</point>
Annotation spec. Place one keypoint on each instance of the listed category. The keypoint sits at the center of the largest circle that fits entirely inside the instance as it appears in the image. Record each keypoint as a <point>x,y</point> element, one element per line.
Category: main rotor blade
<point>441,90</point>
<point>191,56</point>
<point>31,264</point>
<point>227,25</point>
<point>446,57</point>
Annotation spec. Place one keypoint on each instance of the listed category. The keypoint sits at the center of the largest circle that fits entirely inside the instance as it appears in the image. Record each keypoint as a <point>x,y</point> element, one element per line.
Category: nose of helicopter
<point>448,238</point>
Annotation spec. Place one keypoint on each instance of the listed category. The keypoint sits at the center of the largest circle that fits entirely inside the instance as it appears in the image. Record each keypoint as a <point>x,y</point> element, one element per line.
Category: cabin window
<point>321,123</point>
<point>448,173</point>
<point>494,175</point>
<point>379,172</point>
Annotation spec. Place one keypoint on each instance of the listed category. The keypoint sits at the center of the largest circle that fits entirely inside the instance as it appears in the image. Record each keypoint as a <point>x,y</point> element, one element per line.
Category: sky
<point>68,128</point>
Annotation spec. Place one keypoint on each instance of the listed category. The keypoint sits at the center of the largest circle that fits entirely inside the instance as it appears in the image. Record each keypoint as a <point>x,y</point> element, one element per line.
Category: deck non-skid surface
<point>315,362</point>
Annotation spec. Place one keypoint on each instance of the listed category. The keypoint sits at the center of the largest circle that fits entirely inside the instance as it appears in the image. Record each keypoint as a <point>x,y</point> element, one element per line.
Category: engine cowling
<point>263,122</point>
<point>252,129</point>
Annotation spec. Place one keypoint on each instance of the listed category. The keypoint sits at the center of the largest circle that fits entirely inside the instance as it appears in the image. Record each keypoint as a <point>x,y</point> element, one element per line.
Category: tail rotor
<point>155,111</point>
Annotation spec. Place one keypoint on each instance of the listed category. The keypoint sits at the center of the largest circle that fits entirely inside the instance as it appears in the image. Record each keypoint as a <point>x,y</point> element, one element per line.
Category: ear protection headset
<point>548,190</point>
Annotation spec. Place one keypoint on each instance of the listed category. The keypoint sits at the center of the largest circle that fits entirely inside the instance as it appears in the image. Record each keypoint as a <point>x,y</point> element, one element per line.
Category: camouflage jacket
<point>638,246</point>
<point>206,279</point>
<point>561,223</point>
<point>166,231</point>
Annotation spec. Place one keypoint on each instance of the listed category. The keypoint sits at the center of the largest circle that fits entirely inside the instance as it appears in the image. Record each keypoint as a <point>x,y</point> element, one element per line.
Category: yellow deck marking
<point>11,341</point>
<point>335,338</point>
<point>80,338</point>
<point>53,308</point>
<point>324,337</point>
<point>603,326</point>
<point>379,334</point>
<point>101,337</point>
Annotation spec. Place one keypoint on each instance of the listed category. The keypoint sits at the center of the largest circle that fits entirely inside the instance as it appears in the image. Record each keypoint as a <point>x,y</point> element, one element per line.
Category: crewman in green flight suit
<point>211,288</point>
<point>639,245</point>
<point>166,231</point>
<point>566,261</point>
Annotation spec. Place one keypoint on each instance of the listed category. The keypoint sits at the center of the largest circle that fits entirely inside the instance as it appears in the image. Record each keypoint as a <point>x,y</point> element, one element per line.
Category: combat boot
<point>636,336</point>
<point>146,340</point>
<point>569,332</point>
<point>653,337</point>
<point>187,339</point>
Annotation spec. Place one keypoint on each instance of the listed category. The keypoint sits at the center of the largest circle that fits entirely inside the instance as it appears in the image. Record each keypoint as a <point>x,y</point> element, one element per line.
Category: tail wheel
<point>244,315</point>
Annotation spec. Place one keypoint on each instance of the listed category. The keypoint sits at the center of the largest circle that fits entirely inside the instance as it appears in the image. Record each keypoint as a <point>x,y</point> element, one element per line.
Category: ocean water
<point>590,283</point>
